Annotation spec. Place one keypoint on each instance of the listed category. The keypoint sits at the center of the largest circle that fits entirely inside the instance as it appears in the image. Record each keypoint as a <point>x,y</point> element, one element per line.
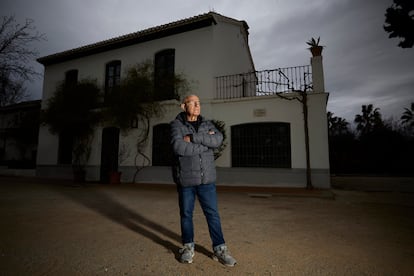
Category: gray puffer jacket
<point>194,161</point>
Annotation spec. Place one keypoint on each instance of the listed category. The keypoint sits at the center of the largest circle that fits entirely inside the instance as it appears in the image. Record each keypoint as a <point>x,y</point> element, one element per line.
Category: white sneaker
<point>187,253</point>
<point>222,254</point>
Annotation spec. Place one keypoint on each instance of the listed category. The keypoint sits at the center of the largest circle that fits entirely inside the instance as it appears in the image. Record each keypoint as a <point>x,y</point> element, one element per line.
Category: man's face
<point>192,106</point>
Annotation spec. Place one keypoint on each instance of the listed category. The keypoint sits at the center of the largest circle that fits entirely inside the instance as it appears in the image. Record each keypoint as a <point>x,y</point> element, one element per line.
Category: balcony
<point>264,83</point>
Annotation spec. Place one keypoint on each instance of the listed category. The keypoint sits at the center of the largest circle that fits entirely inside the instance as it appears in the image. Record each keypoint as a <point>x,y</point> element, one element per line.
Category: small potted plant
<point>315,48</point>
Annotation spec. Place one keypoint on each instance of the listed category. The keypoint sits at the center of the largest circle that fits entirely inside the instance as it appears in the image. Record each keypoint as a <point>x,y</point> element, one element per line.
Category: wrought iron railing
<point>266,82</point>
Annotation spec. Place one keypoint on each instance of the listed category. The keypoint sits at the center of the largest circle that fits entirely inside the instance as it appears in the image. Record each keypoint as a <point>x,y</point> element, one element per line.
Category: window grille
<point>112,76</point>
<point>261,145</point>
<point>264,83</point>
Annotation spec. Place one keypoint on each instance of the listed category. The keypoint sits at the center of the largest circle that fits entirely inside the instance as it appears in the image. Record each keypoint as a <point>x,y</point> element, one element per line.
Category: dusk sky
<point>361,64</point>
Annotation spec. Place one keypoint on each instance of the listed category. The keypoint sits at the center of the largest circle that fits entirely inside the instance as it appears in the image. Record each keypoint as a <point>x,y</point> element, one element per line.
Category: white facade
<point>201,54</point>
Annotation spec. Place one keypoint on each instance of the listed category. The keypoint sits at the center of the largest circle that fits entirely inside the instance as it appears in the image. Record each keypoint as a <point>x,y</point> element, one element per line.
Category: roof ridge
<point>126,37</point>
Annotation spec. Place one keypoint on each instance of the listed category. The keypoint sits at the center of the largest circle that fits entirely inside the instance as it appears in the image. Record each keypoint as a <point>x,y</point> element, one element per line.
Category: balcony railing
<point>263,83</point>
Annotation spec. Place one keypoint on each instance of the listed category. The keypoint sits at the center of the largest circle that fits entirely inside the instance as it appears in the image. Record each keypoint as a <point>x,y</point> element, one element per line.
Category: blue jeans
<point>206,194</point>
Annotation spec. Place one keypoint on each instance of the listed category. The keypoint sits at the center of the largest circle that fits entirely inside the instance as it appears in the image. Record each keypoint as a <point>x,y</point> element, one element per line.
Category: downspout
<point>306,127</point>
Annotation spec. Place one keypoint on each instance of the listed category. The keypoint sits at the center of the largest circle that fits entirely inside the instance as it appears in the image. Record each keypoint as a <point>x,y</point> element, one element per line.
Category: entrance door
<point>109,152</point>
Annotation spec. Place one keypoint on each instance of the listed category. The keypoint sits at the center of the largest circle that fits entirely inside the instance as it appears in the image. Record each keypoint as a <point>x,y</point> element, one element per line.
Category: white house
<point>263,117</point>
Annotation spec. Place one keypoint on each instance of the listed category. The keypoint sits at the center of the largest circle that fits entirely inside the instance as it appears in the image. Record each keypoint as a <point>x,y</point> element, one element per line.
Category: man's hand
<point>187,138</point>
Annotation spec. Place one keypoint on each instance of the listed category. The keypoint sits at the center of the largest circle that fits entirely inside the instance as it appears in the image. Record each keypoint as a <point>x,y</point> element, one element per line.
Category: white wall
<point>318,130</point>
<point>232,53</point>
<point>276,109</point>
<point>200,55</point>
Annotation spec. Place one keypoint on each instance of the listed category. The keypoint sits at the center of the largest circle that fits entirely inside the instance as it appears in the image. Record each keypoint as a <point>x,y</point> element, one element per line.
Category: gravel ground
<point>59,228</point>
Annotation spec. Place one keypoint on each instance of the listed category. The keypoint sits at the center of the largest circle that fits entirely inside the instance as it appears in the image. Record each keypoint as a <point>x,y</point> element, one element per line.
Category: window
<point>109,153</point>
<point>261,145</point>
<point>71,77</point>
<point>164,75</point>
<point>65,148</point>
<point>112,76</point>
<point>66,137</point>
<point>161,147</point>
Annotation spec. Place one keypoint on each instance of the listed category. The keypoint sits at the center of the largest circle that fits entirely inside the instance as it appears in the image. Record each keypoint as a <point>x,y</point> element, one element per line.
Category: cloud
<point>361,64</point>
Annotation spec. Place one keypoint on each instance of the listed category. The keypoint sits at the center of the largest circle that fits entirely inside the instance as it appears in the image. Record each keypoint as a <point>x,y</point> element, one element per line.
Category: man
<point>193,139</point>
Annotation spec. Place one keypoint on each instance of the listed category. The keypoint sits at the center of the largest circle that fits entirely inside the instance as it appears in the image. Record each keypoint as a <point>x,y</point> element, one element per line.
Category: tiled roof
<point>160,31</point>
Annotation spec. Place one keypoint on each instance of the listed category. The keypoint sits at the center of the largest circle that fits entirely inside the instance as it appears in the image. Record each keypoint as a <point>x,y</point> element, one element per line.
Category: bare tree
<point>16,55</point>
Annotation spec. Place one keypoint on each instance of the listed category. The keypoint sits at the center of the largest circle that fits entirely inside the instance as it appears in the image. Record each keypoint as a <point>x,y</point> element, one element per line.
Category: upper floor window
<point>71,77</point>
<point>164,64</point>
<point>261,145</point>
<point>112,75</point>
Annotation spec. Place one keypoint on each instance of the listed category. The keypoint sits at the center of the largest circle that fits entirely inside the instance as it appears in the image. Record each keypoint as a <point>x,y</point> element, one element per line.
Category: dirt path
<point>50,228</point>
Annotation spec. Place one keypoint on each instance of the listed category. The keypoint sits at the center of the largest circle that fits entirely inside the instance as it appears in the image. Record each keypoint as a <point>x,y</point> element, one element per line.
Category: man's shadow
<point>102,203</point>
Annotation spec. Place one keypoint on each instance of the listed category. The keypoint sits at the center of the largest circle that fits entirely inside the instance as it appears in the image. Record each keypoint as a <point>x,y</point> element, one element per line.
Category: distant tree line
<point>374,145</point>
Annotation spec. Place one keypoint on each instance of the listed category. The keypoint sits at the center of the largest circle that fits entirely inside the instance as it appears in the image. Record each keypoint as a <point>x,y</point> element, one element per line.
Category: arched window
<point>164,66</point>
<point>161,146</point>
<point>261,145</point>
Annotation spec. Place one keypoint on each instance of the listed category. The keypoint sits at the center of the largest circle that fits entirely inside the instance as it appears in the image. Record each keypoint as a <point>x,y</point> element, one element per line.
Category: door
<point>109,153</point>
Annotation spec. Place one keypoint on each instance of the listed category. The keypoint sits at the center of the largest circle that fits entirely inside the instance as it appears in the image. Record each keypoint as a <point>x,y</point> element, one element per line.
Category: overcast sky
<point>361,64</point>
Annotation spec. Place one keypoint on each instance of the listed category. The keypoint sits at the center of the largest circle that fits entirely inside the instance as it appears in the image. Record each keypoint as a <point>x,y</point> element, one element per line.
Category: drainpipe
<point>306,129</point>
